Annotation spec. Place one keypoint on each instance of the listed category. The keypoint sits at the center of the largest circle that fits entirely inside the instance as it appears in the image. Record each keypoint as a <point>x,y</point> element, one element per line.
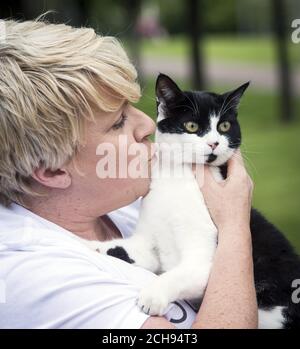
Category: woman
<point>65,91</point>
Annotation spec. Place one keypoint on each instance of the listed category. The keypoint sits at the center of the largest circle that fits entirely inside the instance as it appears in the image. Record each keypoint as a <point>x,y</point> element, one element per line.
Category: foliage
<point>260,50</point>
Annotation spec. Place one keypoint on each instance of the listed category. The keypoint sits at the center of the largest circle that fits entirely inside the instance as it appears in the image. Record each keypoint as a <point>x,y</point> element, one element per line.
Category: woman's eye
<point>224,126</point>
<point>191,126</point>
<point>121,123</point>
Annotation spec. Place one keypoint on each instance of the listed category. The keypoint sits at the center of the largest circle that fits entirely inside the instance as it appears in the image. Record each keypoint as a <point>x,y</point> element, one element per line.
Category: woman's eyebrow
<point>121,110</point>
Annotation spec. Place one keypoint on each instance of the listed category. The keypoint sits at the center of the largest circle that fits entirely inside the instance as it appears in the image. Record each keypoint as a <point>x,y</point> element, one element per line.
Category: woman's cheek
<point>142,187</point>
<point>132,189</point>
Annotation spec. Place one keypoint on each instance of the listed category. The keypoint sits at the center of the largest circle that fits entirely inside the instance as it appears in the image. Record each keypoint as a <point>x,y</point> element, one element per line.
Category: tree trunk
<point>279,23</point>
<point>133,10</point>
<point>195,33</point>
<point>11,9</point>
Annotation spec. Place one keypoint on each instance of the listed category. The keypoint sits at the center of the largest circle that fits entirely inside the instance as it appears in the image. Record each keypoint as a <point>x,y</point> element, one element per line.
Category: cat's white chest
<point>182,223</point>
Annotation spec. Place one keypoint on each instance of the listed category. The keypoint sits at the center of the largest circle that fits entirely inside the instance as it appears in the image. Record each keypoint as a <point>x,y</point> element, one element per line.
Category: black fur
<point>276,264</point>
<point>120,253</point>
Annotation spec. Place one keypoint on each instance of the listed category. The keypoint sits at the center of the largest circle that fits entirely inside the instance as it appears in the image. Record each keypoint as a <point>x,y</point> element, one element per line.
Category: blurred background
<point>214,45</point>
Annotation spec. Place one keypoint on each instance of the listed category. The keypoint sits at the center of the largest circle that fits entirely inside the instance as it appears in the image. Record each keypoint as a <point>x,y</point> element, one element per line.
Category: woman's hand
<point>229,202</point>
<point>230,297</point>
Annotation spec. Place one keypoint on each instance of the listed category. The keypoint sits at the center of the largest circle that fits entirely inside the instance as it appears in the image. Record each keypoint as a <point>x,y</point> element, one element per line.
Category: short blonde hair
<point>51,78</point>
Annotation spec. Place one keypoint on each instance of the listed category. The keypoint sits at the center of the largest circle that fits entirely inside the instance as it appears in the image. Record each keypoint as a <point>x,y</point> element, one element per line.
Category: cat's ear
<point>166,90</point>
<point>233,98</point>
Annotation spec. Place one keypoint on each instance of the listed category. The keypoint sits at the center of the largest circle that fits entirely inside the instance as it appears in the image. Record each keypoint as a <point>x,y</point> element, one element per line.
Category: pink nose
<point>213,145</point>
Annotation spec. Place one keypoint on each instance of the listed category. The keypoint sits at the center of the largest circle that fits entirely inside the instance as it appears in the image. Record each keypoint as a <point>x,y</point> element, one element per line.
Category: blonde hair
<point>52,76</point>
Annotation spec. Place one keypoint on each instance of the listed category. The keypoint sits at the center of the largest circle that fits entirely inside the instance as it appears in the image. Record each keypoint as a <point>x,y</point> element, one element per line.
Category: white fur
<point>175,236</point>
<point>270,319</point>
<point>179,244</point>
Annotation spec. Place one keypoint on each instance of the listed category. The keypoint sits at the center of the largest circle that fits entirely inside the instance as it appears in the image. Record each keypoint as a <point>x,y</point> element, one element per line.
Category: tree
<point>133,10</point>
<point>195,32</point>
<point>279,23</point>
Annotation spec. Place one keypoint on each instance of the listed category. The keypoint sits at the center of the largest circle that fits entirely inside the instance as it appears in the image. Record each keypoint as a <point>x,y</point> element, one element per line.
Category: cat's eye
<point>224,126</point>
<point>191,126</point>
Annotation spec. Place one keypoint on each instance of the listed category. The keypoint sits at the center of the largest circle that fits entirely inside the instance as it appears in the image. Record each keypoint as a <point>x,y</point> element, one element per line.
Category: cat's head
<point>207,120</point>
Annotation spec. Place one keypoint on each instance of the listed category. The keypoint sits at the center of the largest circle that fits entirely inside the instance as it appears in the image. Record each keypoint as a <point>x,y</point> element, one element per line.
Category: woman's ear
<point>58,179</point>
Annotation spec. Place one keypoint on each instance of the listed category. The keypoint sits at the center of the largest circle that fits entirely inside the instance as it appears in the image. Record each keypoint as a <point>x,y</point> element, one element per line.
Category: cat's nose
<point>213,145</point>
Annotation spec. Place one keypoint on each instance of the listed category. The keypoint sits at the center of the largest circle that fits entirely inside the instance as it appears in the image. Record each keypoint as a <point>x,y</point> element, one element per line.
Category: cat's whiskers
<point>197,107</point>
<point>184,106</point>
<point>248,162</point>
<point>251,152</point>
<point>193,104</point>
<point>221,110</point>
<point>244,148</point>
<point>227,108</point>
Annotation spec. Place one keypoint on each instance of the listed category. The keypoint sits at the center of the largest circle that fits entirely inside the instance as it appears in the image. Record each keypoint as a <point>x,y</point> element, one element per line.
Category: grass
<point>271,153</point>
<point>247,49</point>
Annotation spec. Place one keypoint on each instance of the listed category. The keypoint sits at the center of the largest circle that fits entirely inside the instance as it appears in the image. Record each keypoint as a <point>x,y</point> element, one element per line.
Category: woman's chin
<point>144,188</point>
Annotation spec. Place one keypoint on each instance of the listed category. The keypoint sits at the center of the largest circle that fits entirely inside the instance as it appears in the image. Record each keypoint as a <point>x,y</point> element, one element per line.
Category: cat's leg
<point>186,281</point>
<point>137,250</point>
<point>272,318</point>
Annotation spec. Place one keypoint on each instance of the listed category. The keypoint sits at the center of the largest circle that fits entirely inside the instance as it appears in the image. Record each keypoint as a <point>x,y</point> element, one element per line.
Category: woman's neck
<point>76,219</point>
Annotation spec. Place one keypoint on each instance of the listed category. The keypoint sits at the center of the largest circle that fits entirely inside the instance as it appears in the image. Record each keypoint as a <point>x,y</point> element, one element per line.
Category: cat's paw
<point>119,252</point>
<point>111,248</point>
<point>153,300</point>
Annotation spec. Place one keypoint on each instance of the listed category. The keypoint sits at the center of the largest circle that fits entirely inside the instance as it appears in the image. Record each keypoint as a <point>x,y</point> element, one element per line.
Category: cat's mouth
<point>211,158</point>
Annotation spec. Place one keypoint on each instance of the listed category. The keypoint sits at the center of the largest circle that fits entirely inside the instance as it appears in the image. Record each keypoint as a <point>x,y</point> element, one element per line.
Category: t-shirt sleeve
<point>70,293</point>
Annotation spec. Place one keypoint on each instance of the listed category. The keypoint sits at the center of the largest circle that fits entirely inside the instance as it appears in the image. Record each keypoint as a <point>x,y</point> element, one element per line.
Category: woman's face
<point>115,143</point>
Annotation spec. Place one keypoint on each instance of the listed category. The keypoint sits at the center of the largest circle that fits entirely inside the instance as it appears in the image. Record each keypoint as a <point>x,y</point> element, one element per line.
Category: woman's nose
<point>145,128</point>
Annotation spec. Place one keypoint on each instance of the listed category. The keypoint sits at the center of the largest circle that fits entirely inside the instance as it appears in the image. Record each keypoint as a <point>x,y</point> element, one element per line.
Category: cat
<point>175,236</point>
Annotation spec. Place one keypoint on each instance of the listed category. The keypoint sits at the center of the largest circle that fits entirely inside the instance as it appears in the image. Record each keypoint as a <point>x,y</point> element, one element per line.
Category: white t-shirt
<point>48,279</point>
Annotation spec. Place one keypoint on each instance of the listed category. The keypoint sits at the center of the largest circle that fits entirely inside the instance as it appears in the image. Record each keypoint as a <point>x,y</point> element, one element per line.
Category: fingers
<point>237,172</point>
<point>208,177</point>
<point>208,180</point>
<point>235,163</point>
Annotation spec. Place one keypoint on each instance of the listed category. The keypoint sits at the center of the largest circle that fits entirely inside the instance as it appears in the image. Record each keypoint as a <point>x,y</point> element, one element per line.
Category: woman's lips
<point>153,150</point>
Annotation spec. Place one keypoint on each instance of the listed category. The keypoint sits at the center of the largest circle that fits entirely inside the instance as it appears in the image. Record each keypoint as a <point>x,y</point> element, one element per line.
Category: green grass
<point>247,49</point>
<point>271,153</point>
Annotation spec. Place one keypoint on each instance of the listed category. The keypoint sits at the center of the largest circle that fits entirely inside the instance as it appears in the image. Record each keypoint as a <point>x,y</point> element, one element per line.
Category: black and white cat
<point>175,236</point>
